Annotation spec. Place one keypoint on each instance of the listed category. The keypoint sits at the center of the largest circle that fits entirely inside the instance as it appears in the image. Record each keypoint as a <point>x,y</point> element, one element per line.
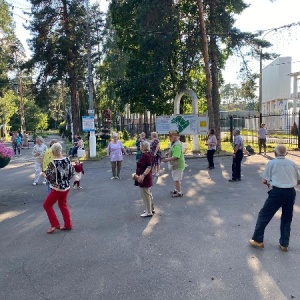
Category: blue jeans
<point>73,151</point>
<point>284,198</point>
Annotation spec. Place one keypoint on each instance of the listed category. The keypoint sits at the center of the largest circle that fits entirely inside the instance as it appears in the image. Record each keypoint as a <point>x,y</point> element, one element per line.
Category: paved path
<point>195,247</point>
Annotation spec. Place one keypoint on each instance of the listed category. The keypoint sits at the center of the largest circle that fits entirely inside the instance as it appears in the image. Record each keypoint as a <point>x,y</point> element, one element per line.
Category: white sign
<point>88,123</point>
<point>184,124</point>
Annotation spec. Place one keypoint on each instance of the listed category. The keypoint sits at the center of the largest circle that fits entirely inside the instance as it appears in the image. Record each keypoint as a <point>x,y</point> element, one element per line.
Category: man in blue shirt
<point>282,175</point>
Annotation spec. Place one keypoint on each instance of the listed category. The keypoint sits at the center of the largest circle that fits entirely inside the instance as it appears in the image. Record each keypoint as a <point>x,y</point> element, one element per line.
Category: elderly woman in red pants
<point>58,173</point>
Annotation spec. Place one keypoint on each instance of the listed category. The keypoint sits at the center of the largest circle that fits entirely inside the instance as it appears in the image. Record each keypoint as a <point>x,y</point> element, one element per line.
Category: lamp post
<point>92,139</point>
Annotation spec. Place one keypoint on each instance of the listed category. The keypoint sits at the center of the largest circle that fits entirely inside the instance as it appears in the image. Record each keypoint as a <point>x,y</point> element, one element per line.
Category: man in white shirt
<point>282,175</point>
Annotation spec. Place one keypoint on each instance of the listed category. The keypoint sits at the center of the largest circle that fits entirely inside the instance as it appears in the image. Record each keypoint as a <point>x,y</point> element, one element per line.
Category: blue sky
<point>261,15</point>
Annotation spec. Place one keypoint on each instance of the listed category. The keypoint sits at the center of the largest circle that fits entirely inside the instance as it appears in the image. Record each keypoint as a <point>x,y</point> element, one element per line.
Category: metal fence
<point>135,129</point>
<point>282,128</point>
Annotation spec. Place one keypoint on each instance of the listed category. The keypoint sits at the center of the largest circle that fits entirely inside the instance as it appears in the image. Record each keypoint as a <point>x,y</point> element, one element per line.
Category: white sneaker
<point>117,177</point>
<point>81,188</point>
<point>113,177</point>
<point>145,215</point>
<point>34,183</point>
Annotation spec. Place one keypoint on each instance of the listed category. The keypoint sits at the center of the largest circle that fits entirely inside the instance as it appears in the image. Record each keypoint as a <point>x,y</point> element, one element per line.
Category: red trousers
<point>62,198</point>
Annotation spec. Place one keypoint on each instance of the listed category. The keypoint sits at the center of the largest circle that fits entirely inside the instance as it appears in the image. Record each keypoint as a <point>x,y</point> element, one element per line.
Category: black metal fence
<point>282,128</point>
<point>135,129</point>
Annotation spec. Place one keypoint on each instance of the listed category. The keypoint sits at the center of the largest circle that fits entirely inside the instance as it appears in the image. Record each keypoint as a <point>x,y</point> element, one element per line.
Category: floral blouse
<point>59,173</point>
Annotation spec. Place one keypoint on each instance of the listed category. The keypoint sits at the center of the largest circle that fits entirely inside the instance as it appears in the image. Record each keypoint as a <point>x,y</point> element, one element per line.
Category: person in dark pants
<point>237,156</point>
<point>262,138</point>
<point>282,175</point>
<point>211,148</point>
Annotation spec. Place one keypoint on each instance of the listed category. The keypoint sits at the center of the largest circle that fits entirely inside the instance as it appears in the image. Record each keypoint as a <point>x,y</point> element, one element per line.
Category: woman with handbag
<point>156,152</point>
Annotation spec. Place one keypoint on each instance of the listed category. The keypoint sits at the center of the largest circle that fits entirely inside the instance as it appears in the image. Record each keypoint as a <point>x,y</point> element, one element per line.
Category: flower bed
<point>5,155</point>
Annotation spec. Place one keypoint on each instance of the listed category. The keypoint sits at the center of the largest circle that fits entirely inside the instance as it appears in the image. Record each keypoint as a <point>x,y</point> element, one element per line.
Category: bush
<point>62,128</point>
<point>294,129</point>
<point>125,135</point>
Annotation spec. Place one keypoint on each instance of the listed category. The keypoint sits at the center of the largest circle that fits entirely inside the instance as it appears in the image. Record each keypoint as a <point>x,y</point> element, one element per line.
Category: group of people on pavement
<point>280,176</point>
<point>148,160</point>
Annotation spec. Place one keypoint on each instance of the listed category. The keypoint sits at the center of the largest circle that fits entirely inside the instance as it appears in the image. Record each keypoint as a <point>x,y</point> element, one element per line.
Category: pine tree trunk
<point>214,57</point>
<point>206,64</point>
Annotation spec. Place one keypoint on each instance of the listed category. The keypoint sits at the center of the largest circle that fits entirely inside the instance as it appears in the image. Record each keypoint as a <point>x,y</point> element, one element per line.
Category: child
<point>78,172</point>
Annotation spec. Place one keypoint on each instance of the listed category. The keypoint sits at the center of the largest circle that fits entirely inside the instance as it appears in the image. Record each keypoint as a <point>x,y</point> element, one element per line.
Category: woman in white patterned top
<point>58,173</point>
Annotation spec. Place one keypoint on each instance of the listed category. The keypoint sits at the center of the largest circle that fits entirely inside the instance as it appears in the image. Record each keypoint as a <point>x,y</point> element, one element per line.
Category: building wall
<point>276,81</point>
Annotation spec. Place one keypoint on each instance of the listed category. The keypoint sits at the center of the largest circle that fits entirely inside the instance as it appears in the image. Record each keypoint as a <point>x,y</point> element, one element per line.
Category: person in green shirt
<point>175,159</point>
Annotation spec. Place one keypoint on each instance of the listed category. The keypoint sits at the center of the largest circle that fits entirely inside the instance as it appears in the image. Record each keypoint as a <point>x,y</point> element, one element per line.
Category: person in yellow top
<point>47,159</point>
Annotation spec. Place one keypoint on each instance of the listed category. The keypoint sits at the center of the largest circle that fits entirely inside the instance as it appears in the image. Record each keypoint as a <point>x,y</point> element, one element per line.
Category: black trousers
<point>278,198</point>
<point>210,158</point>
<point>236,165</point>
<point>262,142</point>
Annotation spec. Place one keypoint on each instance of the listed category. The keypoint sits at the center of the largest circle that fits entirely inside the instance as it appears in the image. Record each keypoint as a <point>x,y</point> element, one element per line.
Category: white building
<point>279,93</point>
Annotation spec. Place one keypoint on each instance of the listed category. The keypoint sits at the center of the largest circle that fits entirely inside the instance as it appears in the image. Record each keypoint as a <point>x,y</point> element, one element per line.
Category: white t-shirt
<point>38,152</point>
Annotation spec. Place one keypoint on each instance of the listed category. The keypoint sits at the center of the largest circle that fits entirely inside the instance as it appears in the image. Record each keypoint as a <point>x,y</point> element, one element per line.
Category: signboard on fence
<point>88,123</point>
<point>184,124</point>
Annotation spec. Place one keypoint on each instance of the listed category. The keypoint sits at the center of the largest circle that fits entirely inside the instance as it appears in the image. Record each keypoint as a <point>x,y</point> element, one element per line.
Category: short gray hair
<point>56,149</point>
<point>154,134</point>
<point>115,135</point>
<point>145,145</point>
<point>39,138</point>
<point>237,130</point>
<point>280,150</point>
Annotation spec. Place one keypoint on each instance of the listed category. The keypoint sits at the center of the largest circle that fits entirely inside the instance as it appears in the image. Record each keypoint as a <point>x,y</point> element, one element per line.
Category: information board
<point>88,123</point>
<point>184,124</point>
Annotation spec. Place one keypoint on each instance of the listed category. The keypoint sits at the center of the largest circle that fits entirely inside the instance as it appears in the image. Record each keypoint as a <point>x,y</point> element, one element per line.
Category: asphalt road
<point>195,247</point>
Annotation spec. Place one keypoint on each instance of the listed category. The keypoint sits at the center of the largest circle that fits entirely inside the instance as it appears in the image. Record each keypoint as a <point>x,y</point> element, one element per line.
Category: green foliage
<point>8,105</point>
<point>294,129</point>
<point>125,135</point>
<point>7,42</point>
<point>59,30</point>
<point>161,49</point>
<point>62,128</point>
